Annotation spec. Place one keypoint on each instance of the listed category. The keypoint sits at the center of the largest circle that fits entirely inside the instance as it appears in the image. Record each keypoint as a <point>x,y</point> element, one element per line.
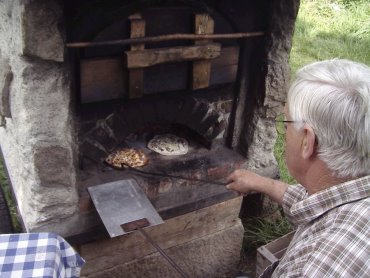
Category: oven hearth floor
<point>204,172</point>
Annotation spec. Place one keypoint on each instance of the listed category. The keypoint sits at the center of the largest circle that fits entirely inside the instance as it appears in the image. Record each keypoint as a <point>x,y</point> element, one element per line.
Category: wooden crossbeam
<point>151,57</point>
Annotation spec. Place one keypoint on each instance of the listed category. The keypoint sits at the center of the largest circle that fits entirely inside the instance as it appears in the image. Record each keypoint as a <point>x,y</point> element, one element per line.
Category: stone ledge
<point>201,225</point>
<point>214,255</point>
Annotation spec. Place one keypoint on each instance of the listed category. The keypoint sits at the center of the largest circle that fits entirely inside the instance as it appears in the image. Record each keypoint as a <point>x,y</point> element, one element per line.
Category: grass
<point>9,199</point>
<point>260,231</point>
<point>325,29</point>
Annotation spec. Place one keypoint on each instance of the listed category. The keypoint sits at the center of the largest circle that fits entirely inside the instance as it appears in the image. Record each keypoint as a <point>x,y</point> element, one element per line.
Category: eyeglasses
<point>281,124</point>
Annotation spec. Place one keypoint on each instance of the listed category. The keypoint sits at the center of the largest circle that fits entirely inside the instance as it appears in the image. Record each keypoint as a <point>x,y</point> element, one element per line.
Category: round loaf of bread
<point>127,157</point>
<point>168,144</point>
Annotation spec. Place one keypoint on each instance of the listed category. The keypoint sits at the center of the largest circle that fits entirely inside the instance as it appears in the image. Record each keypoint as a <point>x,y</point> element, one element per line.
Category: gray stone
<point>260,151</point>
<point>45,102</point>
<point>42,36</point>
<point>280,40</point>
<point>10,29</point>
<point>53,166</point>
<point>2,121</point>
<point>72,222</point>
<point>40,136</point>
<point>6,77</point>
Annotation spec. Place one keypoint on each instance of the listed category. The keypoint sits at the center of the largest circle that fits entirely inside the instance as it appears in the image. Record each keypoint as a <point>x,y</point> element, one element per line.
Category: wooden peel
<point>138,225</point>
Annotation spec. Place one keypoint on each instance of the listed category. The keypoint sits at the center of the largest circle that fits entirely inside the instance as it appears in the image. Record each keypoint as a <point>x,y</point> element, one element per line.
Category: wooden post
<point>204,24</point>
<point>136,76</point>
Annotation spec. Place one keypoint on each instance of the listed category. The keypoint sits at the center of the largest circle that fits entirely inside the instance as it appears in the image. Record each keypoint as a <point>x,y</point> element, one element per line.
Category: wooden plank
<point>224,68</point>
<point>137,31</point>
<point>175,74</point>
<point>150,57</point>
<point>201,74</point>
<point>273,251</point>
<point>136,76</point>
<point>222,75</point>
<point>204,24</point>
<point>102,79</point>
<point>106,78</point>
<point>229,56</point>
<point>136,80</point>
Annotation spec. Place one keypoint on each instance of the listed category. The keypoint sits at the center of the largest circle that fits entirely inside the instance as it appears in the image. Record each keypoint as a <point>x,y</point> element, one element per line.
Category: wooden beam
<point>171,37</point>
<point>204,24</point>
<point>136,76</point>
<point>150,57</point>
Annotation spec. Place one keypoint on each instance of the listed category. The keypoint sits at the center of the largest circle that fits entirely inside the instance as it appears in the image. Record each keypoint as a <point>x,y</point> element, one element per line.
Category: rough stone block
<point>53,165</point>
<point>42,36</point>
<point>261,151</point>
<point>10,30</point>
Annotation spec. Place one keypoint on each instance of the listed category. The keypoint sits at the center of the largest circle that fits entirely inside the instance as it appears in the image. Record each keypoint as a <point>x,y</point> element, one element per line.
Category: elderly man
<point>327,149</point>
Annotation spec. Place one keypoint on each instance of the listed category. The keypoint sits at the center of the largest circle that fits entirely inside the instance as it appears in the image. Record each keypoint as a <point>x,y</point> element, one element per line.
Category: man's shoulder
<point>356,208</point>
<point>353,217</point>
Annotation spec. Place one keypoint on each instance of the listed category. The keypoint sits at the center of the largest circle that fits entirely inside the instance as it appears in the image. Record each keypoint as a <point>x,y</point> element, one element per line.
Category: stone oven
<point>80,79</point>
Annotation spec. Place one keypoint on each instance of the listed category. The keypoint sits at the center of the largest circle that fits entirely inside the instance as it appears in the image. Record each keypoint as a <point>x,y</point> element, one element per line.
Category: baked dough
<point>127,157</point>
<point>168,144</point>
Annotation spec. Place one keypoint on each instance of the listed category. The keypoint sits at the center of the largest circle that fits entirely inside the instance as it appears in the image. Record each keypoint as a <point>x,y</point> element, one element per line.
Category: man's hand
<point>244,181</point>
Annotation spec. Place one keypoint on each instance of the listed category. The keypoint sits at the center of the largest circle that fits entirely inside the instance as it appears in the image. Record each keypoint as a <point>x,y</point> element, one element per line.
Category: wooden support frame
<point>136,75</point>
<point>200,54</point>
<point>204,24</point>
<point>110,75</point>
<point>124,76</point>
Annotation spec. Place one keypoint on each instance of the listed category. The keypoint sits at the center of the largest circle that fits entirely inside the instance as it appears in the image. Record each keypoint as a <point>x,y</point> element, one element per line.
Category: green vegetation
<point>325,29</point>
<point>260,231</point>
<point>9,199</point>
<point>328,29</point>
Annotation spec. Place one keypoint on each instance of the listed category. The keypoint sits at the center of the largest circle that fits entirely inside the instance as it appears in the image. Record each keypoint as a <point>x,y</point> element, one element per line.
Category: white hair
<point>333,97</point>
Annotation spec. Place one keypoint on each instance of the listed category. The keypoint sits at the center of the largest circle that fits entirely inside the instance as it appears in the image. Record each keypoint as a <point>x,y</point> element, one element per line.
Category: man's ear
<point>308,143</point>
